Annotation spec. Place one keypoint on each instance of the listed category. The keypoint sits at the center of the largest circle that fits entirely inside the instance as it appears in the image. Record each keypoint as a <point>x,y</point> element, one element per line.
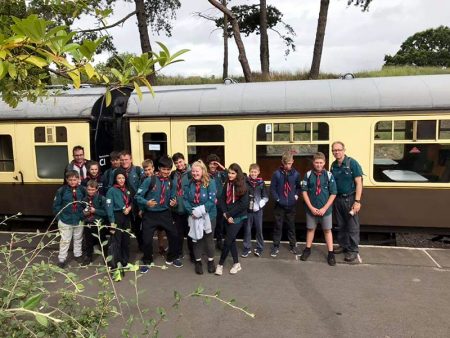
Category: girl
<point>93,173</point>
<point>200,201</point>
<point>118,207</point>
<point>234,204</point>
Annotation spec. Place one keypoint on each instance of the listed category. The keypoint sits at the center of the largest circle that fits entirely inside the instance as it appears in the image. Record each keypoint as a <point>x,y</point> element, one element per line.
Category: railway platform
<point>393,292</point>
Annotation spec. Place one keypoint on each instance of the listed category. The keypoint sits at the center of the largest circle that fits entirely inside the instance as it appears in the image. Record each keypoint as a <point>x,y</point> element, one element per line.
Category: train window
<point>6,153</point>
<point>281,132</point>
<point>39,134</point>
<point>155,146</point>
<point>444,129</point>
<point>302,131</point>
<point>51,161</point>
<point>205,133</point>
<point>47,134</point>
<point>204,140</point>
<point>292,132</point>
<point>383,130</point>
<point>264,132</point>
<point>61,134</point>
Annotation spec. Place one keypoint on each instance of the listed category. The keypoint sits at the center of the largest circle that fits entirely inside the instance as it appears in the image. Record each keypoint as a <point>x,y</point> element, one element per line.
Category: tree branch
<point>109,26</point>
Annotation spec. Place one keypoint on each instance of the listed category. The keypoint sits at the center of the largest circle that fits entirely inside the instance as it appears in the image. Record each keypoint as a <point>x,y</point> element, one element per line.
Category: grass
<point>303,75</point>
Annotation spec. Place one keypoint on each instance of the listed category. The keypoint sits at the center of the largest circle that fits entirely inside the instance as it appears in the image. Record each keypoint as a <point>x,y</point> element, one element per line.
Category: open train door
<point>109,130</point>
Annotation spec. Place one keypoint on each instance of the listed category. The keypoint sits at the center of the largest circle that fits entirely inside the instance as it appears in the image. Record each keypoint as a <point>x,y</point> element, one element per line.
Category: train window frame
<point>6,140</point>
<point>52,136</point>
<point>156,148</point>
<point>209,146</point>
<point>424,156</point>
<point>302,160</point>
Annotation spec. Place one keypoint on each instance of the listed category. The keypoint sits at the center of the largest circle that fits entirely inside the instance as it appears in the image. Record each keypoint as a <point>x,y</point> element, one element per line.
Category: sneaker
<point>338,250</point>
<point>331,259</point>
<point>198,267</point>
<point>245,253</point>
<point>293,250</point>
<point>211,267</point>
<point>86,261</point>
<point>235,268</point>
<point>351,257</point>
<point>219,270</point>
<point>176,263</point>
<point>305,254</point>
<point>192,258</point>
<point>62,264</point>
<point>257,253</point>
<point>274,252</point>
<point>143,269</point>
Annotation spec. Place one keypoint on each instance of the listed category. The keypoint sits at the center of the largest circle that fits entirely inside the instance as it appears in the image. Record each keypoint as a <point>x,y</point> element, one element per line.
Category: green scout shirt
<point>345,175</point>
<point>327,188</point>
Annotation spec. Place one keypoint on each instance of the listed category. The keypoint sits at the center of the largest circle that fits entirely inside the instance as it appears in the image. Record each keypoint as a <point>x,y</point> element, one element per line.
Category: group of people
<point>202,201</point>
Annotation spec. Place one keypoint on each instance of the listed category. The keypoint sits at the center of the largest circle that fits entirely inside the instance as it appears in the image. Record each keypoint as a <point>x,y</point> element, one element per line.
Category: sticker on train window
<point>268,127</point>
<point>156,147</point>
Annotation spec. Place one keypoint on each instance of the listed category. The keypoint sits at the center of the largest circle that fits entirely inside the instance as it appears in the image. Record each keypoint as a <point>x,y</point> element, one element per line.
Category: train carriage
<point>398,128</point>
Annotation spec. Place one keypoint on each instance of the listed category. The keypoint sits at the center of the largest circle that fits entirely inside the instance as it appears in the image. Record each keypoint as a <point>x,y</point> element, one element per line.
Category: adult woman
<point>234,204</point>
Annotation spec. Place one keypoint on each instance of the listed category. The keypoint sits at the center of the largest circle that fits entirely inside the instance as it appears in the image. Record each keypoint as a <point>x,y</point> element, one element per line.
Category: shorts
<point>325,221</point>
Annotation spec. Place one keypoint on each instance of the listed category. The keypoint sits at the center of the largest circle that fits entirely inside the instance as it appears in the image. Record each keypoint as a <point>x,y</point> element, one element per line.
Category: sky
<point>354,40</point>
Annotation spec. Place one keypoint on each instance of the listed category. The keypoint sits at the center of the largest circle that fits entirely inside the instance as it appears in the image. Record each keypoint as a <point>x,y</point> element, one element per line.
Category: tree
<point>237,38</point>
<point>320,32</point>
<point>427,48</point>
<point>225,43</point>
<point>320,36</point>
<point>264,39</point>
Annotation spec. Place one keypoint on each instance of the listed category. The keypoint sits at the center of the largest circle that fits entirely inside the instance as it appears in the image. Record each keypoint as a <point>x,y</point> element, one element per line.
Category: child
<point>149,170</point>
<point>319,191</point>
<point>285,189</point>
<point>234,203</point>
<point>155,197</point>
<point>219,177</point>
<point>94,211</point>
<point>200,201</point>
<point>69,217</point>
<point>258,198</point>
<point>118,208</point>
<point>114,158</point>
<point>181,177</point>
<point>93,173</point>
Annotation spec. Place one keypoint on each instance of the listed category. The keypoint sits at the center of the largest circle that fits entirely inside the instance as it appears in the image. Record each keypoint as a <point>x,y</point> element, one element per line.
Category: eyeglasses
<point>337,150</point>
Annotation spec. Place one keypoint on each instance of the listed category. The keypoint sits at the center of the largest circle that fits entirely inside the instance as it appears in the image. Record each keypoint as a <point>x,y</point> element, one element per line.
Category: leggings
<point>230,242</point>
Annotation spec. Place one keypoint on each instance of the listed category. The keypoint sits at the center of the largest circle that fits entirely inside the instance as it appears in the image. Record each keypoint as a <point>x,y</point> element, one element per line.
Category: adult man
<point>348,175</point>
<point>78,163</point>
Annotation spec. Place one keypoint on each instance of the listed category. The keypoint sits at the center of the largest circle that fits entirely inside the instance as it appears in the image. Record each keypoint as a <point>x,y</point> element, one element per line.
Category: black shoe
<point>61,265</point>
<point>79,259</point>
<point>293,250</point>
<point>305,254</point>
<point>86,261</point>
<point>211,267</point>
<point>331,260</point>
<point>192,258</point>
<point>274,252</point>
<point>351,257</point>
<point>198,267</point>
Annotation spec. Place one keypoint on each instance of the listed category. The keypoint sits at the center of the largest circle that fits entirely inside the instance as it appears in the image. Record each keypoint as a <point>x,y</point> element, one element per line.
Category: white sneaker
<point>235,268</point>
<point>219,270</point>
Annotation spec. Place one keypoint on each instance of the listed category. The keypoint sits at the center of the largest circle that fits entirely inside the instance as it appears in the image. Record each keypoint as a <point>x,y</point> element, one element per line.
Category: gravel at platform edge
<point>420,240</point>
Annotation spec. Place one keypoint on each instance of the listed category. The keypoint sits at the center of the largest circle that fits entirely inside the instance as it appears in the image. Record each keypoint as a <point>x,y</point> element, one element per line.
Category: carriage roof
<point>406,93</point>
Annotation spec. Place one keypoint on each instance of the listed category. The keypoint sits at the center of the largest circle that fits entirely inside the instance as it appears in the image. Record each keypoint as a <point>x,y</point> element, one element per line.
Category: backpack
<point>329,175</point>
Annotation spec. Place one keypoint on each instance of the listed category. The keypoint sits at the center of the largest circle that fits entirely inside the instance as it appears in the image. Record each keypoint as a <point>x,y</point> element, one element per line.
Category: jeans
<point>287,216</point>
<point>348,233</point>
<point>254,219</point>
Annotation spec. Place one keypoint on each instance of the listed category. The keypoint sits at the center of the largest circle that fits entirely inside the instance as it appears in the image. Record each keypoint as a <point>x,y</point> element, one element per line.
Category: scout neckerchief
<point>179,187</point>
<point>198,185</point>
<point>74,199</point>
<point>255,182</point>
<point>80,168</point>
<point>230,192</point>
<point>162,198</point>
<point>318,186</point>
<point>123,189</point>
<point>286,186</point>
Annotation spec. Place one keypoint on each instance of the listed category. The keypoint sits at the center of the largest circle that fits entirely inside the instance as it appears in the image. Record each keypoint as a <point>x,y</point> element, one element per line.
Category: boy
<point>95,210</point>
<point>114,158</point>
<point>258,198</point>
<point>69,217</point>
<point>181,177</point>
<point>319,191</point>
<point>285,189</point>
<point>219,177</point>
<point>155,197</point>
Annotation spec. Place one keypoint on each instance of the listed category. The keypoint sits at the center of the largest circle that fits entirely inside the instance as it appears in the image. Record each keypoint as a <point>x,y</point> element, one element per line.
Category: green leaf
<point>12,70</point>
<point>108,97</point>
<point>41,319</point>
<point>90,71</point>
<point>177,296</point>
<point>138,90</point>
<point>3,69</point>
<point>32,302</point>
<point>34,60</point>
